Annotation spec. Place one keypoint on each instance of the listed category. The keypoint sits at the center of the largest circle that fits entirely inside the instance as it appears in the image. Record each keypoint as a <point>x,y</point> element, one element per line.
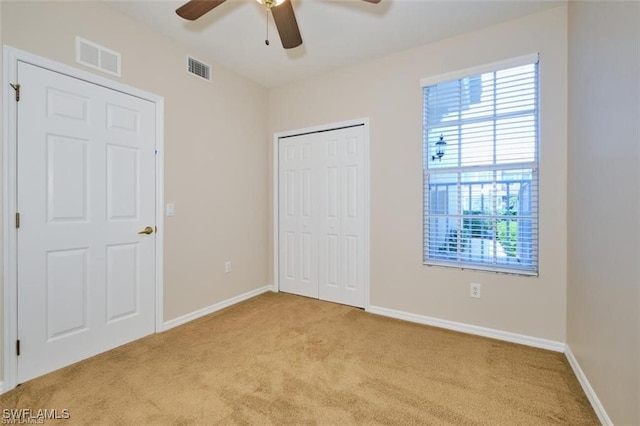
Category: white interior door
<point>298,216</point>
<point>322,224</point>
<point>86,188</point>
<point>341,216</point>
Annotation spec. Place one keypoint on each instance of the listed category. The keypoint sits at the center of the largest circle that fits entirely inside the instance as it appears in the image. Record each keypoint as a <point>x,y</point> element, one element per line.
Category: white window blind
<point>481,195</point>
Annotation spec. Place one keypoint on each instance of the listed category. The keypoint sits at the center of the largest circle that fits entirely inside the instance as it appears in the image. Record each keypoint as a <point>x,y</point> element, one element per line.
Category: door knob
<point>148,230</point>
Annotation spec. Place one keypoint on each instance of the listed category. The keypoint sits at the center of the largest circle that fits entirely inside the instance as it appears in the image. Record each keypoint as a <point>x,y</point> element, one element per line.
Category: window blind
<point>481,194</point>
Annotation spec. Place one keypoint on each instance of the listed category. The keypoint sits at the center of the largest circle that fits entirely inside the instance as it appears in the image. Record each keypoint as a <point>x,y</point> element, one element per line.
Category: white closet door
<point>322,190</point>
<point>298,222</point>
<point>341,227</point>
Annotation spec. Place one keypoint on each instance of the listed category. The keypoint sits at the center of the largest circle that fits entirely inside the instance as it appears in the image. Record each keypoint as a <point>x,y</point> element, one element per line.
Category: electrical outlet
<point>227,266</point>
<point>474,290</point>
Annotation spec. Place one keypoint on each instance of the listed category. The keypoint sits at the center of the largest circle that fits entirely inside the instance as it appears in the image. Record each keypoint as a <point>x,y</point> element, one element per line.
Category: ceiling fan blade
<point>372,1</point>
<point>196,8</point>
<point>287,25</point>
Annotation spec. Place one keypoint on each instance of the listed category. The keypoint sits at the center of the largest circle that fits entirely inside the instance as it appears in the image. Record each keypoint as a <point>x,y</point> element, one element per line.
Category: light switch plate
<point>171,209</point>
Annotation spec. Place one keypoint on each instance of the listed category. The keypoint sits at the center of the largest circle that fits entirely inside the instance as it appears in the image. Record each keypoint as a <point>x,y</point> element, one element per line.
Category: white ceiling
<point>335,33</point>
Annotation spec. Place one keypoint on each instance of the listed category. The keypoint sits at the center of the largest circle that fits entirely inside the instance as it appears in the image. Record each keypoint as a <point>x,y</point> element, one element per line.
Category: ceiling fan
<point>282,11</point>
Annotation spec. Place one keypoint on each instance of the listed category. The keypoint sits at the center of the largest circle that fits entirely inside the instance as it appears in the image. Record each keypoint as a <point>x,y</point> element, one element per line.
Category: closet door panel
<point>329,222</point>
<point>298,225</point>
<point>341,224</point>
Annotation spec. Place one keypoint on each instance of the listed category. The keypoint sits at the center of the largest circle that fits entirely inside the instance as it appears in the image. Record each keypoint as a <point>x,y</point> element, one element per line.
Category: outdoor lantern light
<point>440,145</point>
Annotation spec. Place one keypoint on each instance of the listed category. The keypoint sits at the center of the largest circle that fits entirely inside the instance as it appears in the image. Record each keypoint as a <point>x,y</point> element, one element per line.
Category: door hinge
<point>16,87</point>
<point>17,220</point>
<point>18,347</point>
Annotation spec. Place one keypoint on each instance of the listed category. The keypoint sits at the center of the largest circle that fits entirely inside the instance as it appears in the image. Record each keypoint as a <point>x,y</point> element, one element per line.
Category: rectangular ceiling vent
<point>98,57</point>
<point>199,69</point>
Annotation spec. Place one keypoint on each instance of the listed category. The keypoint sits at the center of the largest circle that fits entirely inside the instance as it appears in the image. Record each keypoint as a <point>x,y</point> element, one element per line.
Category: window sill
<point>482,268</point>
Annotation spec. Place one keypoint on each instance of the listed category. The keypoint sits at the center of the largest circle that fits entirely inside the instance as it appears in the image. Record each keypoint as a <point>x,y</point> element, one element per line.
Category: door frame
<point>9,194</point>
<point>367,187</point>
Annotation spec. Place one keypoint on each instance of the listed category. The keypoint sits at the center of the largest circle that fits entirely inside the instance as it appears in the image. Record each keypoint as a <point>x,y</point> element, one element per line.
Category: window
<point>481,195</point>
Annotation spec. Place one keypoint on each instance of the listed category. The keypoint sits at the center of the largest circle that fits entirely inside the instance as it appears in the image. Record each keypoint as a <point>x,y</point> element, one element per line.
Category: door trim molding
<point>11,57</point>
<point>367,194</point>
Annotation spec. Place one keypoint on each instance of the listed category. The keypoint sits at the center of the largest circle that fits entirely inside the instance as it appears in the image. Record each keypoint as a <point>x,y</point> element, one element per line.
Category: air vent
<point>199,69</point>
<point>97,57</point>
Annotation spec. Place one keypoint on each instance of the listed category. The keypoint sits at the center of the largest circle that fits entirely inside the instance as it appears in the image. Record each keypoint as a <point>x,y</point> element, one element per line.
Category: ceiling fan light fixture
<point>270,3</point>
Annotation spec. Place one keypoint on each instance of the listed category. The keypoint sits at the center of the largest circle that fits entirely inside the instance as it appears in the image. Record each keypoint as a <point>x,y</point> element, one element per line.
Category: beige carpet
<point>284,359</point>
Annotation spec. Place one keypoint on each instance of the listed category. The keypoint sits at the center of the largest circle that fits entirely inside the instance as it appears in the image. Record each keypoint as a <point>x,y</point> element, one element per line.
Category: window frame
<point>458,263</point>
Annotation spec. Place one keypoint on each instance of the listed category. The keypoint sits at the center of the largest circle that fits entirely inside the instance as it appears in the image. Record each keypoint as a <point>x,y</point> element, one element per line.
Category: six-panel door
<point>86,187</point>
<point>322,245</point>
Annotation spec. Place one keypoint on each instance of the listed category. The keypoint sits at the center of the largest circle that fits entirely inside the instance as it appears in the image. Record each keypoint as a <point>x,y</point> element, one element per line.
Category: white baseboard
<point>213,308</point>
<point>522,339</point>
<point>588,390</point>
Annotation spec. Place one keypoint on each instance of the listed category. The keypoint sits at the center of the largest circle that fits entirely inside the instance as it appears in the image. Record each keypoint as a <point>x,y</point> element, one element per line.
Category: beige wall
<point>388,92</point>
<point>1,230</point>
<point>603,326</point>
<point>215,146</point>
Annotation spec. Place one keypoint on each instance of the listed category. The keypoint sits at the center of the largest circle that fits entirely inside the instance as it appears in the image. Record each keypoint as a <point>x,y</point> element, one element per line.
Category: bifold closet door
<point>298,211</point>
<point>322,246</point>
<point>341,224</point>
